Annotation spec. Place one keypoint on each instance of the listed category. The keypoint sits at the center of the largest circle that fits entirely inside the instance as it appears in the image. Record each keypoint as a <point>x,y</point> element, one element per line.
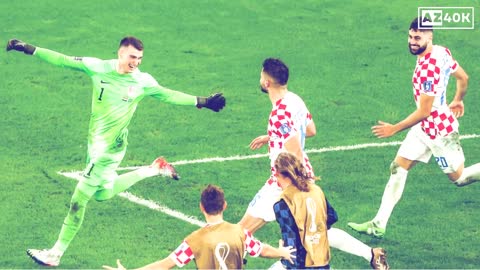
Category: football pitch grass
<point>348,60</point>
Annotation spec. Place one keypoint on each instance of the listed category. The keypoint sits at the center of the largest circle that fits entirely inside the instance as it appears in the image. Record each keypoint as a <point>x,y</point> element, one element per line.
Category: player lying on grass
<point>218,245</point>
<point>118,87</point>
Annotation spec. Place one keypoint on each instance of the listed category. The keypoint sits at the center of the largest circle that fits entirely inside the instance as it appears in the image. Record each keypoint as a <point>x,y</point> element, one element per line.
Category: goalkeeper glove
<point>214,102</point>
<point>18,45</point>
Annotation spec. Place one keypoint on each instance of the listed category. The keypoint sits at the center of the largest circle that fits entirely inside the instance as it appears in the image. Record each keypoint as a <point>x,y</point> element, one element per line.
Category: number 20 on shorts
<point>442,162</point>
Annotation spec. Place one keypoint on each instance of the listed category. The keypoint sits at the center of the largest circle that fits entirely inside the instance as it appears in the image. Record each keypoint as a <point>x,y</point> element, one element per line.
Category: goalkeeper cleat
<point>164,168</point>
<point>44,257</point>
<point>369,228</point>
<point>379,259</point>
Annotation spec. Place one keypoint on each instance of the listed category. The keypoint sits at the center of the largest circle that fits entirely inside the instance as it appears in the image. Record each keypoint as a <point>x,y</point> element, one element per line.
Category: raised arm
<point>46,55</point>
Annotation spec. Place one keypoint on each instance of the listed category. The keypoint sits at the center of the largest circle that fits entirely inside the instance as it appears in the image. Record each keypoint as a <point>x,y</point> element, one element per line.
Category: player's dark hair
<point>276,69</point>
<point>418,24</point>
<point>289,166</point>
<point>135,42</point>
<point>213,199</point>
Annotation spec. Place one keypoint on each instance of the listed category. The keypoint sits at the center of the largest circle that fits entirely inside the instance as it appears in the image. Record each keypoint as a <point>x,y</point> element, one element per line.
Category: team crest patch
<point>427,86</point>
<point>130,94</point>
<point>285,129</point>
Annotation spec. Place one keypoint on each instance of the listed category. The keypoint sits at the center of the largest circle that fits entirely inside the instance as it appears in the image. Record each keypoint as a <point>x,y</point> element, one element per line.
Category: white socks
<point>391,195</point>
<point>146,171</point>
<point>469,175</point>
<point>343,241</point>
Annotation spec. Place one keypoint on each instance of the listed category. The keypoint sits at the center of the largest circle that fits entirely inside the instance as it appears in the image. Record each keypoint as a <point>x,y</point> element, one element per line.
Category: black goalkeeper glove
<point>214,102</point>
<point>18,45</point>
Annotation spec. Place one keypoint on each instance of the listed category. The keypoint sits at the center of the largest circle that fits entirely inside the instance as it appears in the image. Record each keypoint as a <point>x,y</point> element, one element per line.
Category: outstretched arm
<point>46,55</point>
<point>280,252</point>
<point>214,102</point>
<point>385,130</point>
<point>259,142</point>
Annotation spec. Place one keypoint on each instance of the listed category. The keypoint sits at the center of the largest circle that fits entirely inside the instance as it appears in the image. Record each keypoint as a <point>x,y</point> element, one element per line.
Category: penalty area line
<point>192,220</point>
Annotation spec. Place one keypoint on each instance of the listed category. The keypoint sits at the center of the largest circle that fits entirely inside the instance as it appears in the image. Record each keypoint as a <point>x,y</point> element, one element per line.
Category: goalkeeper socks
<point>391,196</point>
<point>124,181</point>
<point>343,241</point>
<point>469,175</point>
<point>73,221</point>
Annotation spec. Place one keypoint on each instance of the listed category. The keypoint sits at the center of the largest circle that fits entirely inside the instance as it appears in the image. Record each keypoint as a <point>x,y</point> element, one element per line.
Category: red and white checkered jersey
<point>184,253</point>
<point>431,78</point>
<point>289,116</point>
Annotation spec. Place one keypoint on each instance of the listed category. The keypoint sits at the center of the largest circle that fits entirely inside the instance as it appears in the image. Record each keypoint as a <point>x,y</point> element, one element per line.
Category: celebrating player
<point>118,87</point>
<point>434,125</point>
<point>289,124</point>
<point>218,245</point>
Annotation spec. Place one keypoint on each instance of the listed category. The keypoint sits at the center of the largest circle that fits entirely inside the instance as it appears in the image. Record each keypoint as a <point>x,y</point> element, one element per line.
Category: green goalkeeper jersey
<point>115,98</point>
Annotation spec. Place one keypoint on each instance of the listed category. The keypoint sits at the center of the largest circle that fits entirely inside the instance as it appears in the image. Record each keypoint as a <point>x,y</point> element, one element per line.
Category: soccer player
<point>433,125</point>
<point>118,87</point>
<point>290,122</point>
<point>302,214</point>
<point>218,245</point>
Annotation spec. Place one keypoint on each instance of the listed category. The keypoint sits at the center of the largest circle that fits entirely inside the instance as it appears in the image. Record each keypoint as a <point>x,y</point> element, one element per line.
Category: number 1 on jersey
<point>101,94</point>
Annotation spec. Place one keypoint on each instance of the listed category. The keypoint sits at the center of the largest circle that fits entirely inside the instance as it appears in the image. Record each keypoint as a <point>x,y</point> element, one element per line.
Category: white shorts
<point>262,203</point>
<point>447,150</point>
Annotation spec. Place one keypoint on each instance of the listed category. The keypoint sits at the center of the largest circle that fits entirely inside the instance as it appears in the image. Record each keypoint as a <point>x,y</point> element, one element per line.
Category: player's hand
<point>457,108</point>
<point>119,266</point>
<point>214,102</point>
<point>383,130</point>
<point>286,252</point>
<point>259,142</point>
<point>18,45</point>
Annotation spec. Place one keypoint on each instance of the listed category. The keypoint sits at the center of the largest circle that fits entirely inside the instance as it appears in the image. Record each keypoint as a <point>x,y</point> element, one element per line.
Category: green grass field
<point>348,60</point>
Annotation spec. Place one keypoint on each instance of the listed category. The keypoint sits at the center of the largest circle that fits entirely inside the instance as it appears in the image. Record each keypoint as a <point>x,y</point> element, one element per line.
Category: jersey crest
<point>427,86</point>
<point>285,129</point>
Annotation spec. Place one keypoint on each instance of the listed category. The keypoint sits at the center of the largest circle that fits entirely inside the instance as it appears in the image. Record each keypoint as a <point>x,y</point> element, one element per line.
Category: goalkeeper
<point>118,87</point>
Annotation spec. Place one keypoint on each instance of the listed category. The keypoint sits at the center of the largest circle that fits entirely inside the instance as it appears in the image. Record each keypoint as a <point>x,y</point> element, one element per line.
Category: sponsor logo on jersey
<point>77,58</point>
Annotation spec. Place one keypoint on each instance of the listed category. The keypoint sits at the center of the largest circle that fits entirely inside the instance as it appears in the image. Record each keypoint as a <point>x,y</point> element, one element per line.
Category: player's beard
<point>263,90</point>
<point>418,51</point>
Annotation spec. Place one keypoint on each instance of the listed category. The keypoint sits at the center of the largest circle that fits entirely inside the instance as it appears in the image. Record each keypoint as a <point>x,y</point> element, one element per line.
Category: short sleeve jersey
<point>289,116</point>
<point>430,77</point>
<point>218,246</point>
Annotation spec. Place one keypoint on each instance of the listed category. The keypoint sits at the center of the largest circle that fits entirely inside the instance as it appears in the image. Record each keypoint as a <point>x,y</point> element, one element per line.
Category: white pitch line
<point>319,150</point>
<point>147,203</point>
<point>193,220</point>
